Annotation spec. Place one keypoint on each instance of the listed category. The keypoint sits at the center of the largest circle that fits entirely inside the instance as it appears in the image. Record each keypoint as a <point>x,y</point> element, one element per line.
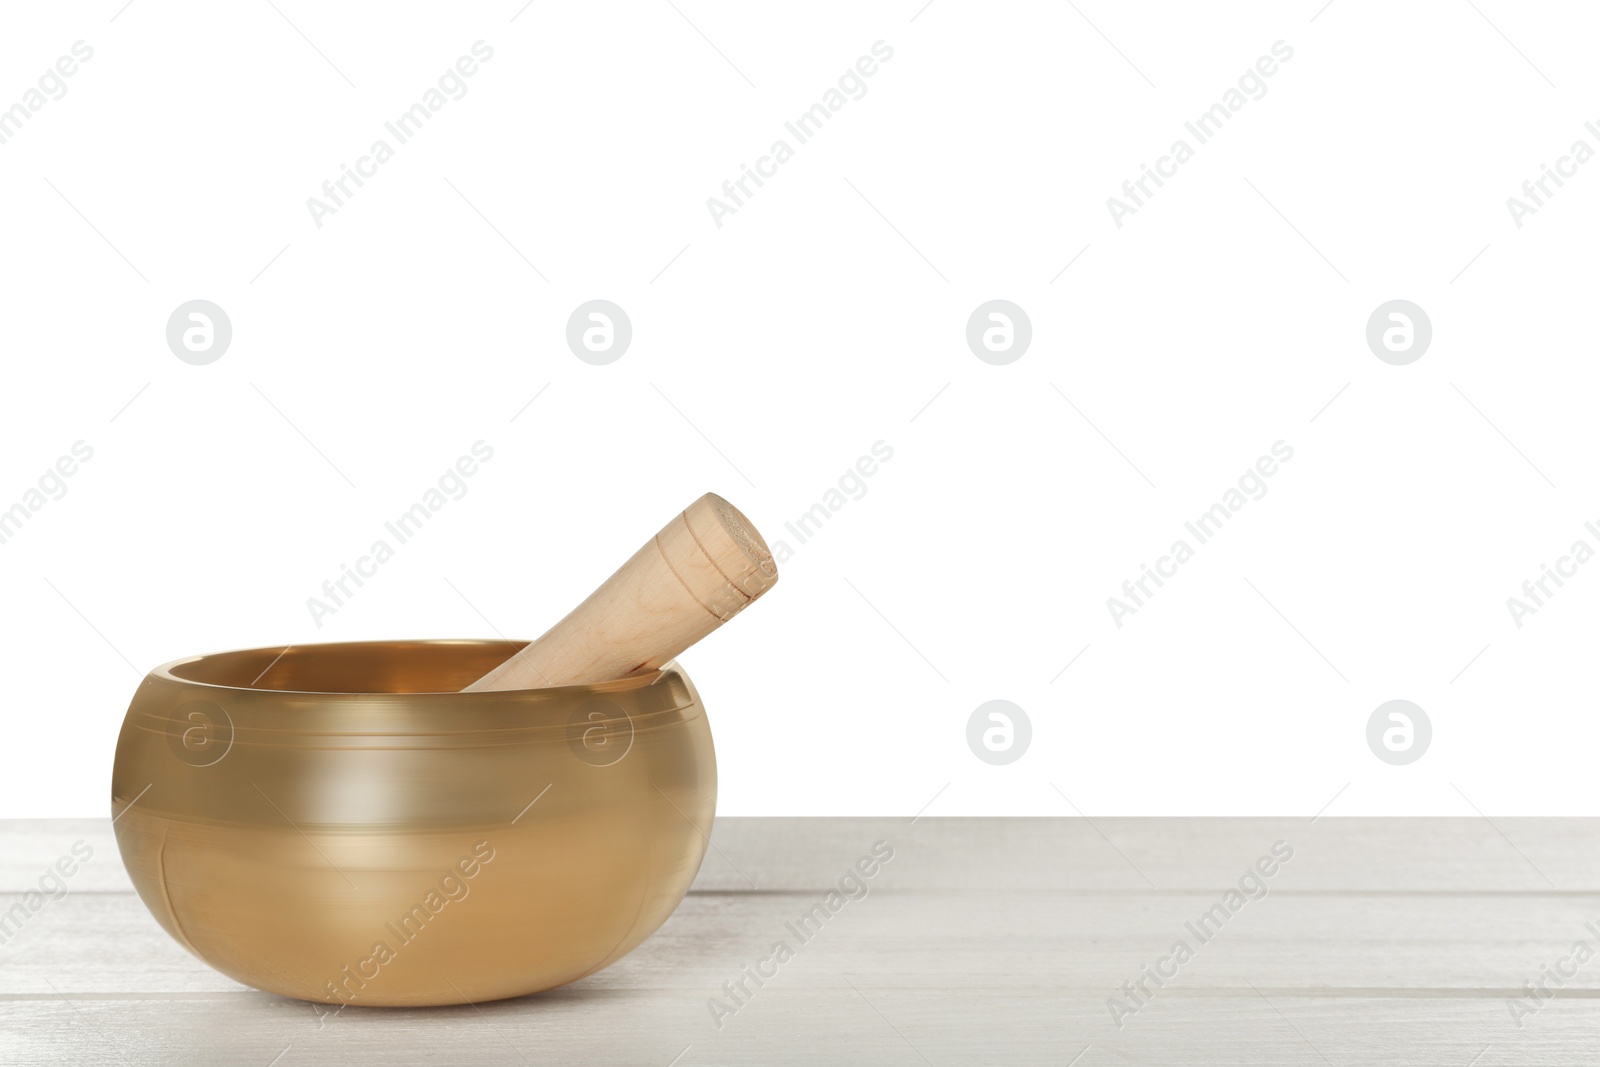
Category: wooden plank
<point>857,1021</point>
<point>32,847</point>
<point>982,941</point>
<point>1082,944</point>
<point>1468,854</point>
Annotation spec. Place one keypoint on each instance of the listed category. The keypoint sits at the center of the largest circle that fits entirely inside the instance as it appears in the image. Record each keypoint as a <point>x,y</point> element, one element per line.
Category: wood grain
<point>704,567</point>
<point>982,941</point>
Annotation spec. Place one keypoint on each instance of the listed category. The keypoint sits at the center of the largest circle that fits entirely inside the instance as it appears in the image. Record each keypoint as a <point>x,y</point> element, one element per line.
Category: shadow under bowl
<point>339,823</point>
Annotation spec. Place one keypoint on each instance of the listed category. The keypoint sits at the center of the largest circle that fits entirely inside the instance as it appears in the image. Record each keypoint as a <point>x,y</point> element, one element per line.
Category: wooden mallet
<point>702,569</point>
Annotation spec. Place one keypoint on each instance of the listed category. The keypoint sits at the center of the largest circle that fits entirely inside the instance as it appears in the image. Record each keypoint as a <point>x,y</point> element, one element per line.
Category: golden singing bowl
<point>339,823</point>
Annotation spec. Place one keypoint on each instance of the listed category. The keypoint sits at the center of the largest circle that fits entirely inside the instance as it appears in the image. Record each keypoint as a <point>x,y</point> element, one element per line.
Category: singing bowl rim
<point>443,717</point>
<point>172,671</point>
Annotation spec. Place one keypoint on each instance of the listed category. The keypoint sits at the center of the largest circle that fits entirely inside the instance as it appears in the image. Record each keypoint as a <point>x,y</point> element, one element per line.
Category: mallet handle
<point>702,569</point>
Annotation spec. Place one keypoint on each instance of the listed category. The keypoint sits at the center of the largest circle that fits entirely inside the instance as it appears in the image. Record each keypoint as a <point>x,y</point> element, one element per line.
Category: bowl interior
<point>350,667</point>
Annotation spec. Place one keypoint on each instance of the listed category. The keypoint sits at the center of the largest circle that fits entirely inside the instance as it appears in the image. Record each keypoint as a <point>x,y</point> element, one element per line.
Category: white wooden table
<point>984,941</point>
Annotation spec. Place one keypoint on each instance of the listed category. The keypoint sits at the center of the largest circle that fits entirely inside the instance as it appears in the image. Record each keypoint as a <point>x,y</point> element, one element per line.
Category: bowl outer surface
<point>383,840</point>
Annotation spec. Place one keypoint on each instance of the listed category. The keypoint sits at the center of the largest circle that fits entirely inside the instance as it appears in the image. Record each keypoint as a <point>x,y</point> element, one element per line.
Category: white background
<point>823,317</point>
